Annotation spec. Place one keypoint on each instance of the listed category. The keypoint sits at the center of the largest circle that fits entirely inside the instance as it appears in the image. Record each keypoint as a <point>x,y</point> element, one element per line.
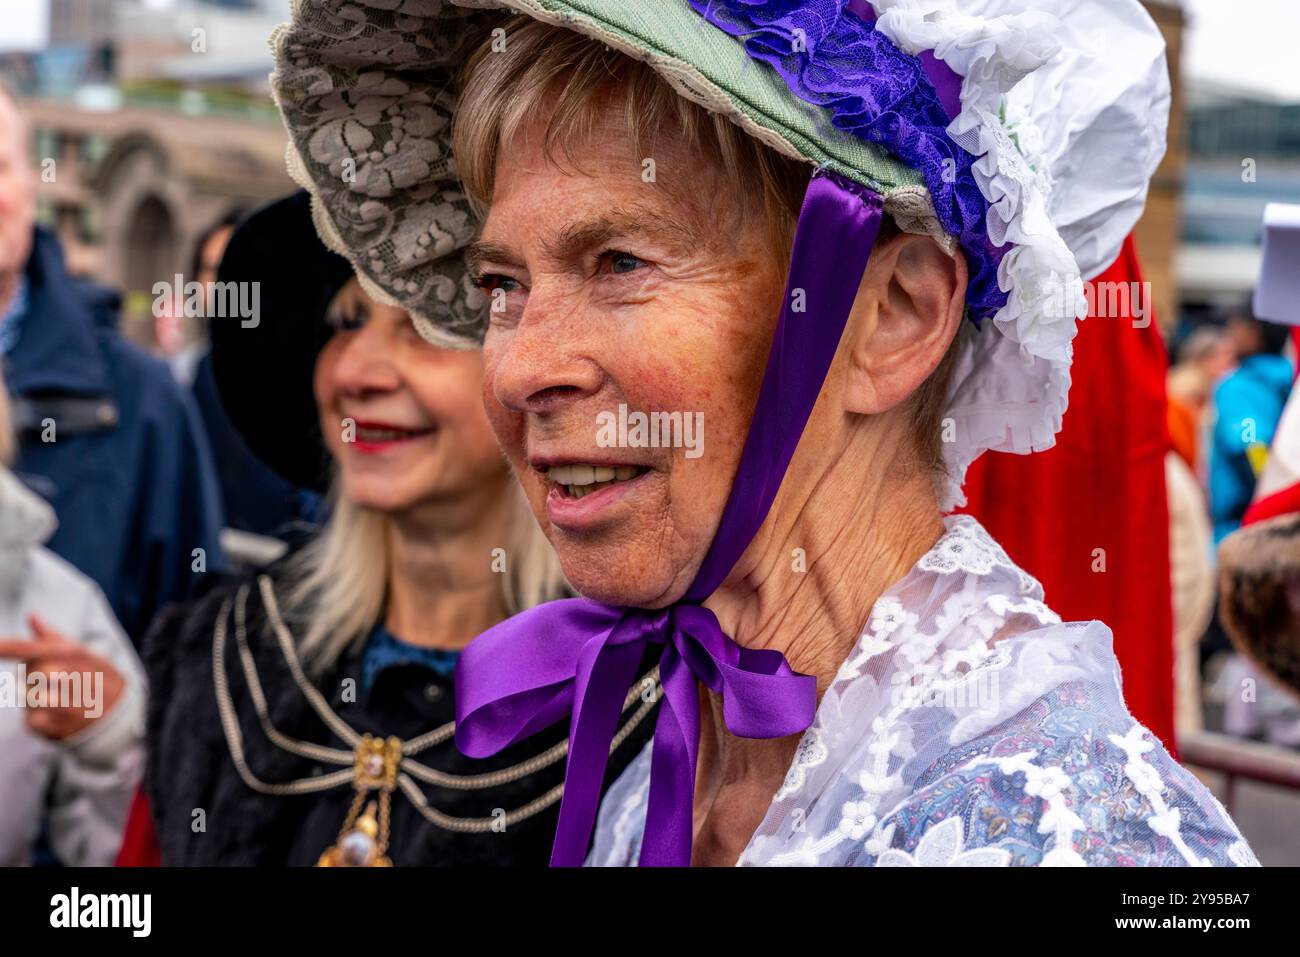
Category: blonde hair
<point>6,428</point>
<point>544,67</point>
<point>339,581</point>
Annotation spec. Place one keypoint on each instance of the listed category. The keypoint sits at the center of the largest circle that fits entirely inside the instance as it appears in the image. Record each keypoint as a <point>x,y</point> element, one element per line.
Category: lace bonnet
<point>1034,161</point>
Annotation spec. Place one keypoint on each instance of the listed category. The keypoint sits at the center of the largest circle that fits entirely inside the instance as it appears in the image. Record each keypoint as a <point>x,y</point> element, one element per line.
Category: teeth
<point>580,479</point>
<point>380,435</point>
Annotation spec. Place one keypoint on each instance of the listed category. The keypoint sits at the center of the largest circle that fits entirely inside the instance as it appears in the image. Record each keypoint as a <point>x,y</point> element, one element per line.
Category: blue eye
<point>619,262</point>
<point>490,282</point>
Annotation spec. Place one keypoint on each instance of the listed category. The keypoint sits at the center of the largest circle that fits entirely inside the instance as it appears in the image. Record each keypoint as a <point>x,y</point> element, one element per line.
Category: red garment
<point>139,843</point>
<point>1285,501</point>
<point>1101,487</point>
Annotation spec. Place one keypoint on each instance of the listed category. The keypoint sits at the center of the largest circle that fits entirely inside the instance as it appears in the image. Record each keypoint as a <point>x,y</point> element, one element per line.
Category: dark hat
<point>264,364</point>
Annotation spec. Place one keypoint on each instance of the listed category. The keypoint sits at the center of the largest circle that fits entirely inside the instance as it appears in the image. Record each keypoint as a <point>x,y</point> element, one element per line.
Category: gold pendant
<point>363,839</point>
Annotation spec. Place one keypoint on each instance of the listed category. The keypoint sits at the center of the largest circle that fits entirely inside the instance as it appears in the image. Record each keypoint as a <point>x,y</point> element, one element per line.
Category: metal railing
<point>1236,758</point>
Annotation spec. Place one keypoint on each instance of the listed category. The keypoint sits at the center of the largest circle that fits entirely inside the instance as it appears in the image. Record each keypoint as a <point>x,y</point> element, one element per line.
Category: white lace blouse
<point>938,745</point>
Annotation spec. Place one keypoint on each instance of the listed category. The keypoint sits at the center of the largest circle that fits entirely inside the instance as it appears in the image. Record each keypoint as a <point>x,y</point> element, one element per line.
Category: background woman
<point>328,738</point>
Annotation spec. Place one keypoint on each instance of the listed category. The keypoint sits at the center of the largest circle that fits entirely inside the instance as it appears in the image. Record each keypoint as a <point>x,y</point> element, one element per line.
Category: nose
<point>544,363</point>
<point>365,365</point>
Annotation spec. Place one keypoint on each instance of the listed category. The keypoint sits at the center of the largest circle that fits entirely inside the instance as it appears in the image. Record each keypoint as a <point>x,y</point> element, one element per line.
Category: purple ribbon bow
<point>581,657</point>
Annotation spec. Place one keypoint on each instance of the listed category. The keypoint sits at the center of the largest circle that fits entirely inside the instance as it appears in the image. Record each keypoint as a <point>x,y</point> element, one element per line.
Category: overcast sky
<point>1249,43</point>
<point>23,26</point>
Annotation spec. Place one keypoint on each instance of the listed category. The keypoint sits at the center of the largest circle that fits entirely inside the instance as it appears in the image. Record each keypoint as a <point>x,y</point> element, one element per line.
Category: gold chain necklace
<point>373,765</point>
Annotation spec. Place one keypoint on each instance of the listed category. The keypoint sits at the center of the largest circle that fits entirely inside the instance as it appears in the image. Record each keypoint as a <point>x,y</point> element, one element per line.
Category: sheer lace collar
<point>969,725</point>
<point>931,641</point>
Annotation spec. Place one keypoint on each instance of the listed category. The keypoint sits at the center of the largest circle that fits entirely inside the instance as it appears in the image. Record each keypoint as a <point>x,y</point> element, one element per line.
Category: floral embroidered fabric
<point>969,726</point>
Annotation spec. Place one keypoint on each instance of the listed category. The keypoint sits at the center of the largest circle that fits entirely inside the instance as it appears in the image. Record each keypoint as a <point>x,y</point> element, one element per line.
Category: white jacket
<point>81,786</point>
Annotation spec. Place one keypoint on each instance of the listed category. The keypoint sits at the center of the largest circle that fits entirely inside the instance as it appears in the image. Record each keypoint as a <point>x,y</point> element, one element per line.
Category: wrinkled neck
<point>843,529</point>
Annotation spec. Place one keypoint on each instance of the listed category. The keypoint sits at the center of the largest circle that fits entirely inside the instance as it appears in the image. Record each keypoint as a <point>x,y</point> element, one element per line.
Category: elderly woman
<point>828,233</point>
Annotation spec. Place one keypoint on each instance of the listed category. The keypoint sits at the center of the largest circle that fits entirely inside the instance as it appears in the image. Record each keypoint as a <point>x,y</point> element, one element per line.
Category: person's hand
<point>68,669</point>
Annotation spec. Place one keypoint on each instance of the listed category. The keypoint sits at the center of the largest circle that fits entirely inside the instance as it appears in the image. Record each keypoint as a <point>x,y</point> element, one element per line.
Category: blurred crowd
<point>1227,387</point>
<point>118,474</point>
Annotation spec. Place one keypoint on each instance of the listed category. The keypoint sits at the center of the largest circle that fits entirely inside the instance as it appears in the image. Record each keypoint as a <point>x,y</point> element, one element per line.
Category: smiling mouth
<point>384,434</point>
<point>580,480</point>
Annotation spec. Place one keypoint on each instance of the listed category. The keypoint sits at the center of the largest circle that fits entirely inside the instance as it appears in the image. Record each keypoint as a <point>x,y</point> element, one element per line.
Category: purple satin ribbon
<point>581,657</point>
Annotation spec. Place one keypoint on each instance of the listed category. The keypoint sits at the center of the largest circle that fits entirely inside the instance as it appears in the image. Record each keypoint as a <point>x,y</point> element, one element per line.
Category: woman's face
<point>613,292</point>
<point>403,419</point>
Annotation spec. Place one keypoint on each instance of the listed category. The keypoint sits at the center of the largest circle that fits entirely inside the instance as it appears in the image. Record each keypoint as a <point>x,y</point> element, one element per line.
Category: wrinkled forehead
<point>372,117</point>
<point>612,141</point>
<point>678,195</point>
<point>561,228</point>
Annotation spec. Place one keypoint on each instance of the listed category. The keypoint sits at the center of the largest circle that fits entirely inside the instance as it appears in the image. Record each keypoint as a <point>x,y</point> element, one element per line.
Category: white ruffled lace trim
<point>1011,388</point>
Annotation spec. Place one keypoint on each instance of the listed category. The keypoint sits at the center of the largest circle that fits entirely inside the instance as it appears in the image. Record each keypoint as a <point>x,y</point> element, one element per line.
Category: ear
<point>909,307</point>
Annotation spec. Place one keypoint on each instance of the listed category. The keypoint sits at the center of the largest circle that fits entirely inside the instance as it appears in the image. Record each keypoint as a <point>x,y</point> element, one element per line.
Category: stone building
<point>149,124</point>
<point>130,190</point>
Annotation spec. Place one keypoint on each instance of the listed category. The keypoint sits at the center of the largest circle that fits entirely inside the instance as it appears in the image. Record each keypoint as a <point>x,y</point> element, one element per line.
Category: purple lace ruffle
<point>872,90</point>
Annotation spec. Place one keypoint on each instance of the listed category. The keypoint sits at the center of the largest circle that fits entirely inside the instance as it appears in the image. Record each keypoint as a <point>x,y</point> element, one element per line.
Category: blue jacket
<point>128,472</point>
<point>1248,404</point>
